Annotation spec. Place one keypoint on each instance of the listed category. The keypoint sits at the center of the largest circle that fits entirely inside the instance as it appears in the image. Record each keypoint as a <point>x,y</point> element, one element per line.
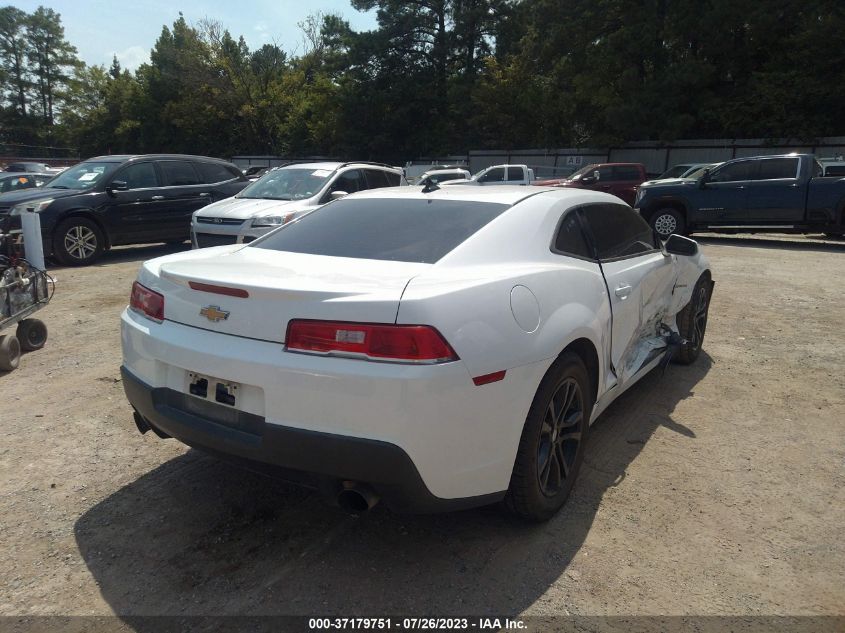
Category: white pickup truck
<point>498,175</point>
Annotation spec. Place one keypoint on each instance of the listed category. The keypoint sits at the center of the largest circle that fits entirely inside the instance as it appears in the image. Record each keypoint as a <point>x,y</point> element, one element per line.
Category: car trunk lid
<point>255,292</point>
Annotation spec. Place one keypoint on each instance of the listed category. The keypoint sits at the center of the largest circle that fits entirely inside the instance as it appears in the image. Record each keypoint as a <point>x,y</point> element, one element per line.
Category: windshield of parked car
<point>400,230</point>
<point>81,176</point>
<point>294,183</point>
<point>589,169</point>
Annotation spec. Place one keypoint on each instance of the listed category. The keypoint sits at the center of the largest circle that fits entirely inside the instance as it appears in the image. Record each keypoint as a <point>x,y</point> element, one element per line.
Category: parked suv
<point>283,194</point>
<point>111,200</point>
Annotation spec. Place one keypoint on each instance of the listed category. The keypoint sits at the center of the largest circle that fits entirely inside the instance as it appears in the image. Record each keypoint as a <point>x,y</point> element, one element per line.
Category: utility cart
<point>24,290</point>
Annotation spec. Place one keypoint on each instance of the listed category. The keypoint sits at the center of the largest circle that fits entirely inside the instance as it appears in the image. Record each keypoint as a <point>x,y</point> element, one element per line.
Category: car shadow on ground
<point>795,242</point>
<point>133,253</point>
<point>197,536</point>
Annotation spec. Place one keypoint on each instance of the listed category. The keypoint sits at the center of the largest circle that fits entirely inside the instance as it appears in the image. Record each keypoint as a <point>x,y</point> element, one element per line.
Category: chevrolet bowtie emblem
<point>214,313</point>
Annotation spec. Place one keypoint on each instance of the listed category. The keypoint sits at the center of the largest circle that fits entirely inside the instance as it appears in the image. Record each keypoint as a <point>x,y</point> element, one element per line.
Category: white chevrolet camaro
<point>437,349</point>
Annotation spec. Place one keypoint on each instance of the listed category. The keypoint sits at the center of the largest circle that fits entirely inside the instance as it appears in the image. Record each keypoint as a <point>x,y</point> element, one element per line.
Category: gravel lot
<point>715,489</point>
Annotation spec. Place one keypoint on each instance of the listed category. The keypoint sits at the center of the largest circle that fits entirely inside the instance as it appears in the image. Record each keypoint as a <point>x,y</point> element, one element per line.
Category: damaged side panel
<point>646,294</point>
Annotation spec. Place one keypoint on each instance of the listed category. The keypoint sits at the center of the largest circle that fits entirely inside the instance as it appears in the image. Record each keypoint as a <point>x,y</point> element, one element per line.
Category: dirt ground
<point>715,489</point>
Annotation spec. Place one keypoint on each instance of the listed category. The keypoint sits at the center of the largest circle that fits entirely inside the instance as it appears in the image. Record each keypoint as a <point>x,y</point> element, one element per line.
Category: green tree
<point>13,47</point>
<point>53,60</point>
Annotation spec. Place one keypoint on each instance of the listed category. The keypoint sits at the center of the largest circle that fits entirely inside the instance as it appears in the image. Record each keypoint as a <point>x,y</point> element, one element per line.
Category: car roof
<point>324,164</point>
<point>499,194</point>
<point>122,158</point>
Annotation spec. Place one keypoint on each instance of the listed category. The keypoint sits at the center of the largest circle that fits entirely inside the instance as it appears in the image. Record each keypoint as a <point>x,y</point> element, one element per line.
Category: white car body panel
<point>502,299</point>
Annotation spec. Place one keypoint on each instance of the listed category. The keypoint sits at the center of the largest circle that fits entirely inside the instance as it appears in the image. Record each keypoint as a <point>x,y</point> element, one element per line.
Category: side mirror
<point>117,185</point>
<point>337,195</point>
<point>588,180</point>
<point>704,179</point>
<point>680,245</point>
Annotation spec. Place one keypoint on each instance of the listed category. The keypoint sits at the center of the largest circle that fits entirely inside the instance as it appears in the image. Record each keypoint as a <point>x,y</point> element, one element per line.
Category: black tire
<point>32,334</point>
<point>78,241</point>
<point>10,352</point>
<point>666,221</point>
<point>539,486</point>
<point>692,321</point>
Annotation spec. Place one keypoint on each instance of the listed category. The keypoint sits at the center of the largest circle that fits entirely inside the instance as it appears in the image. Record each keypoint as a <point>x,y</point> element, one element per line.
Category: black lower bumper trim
<point>299,455</point>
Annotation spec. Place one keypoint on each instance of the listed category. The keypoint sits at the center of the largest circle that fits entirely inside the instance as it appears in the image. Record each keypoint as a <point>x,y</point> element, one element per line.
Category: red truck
<point>620,179</point>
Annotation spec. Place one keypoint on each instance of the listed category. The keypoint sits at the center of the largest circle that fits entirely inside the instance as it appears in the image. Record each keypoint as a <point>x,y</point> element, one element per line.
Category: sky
<point>129,28</point>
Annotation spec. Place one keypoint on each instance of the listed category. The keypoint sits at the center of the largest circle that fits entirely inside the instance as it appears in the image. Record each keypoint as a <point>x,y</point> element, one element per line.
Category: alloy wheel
<point>80,242</point>
<point>699,319</point>
<point>560,435</point>
<point>665,224</point>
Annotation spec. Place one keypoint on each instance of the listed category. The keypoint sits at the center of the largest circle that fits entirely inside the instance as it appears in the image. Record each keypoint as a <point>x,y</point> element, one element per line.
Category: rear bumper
<point>304,456</point>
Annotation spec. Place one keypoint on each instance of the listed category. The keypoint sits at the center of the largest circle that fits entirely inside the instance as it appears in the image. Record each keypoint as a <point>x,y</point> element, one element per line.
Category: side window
<point>775,168</point>
<point>393,180</point>
<point>350,182</point>
<point>606,174</point>
<point>734,172</point>
<point>625,172</point>
<point>618,231</point>
<point>515,174</point>
<point>138,176</point>
<point>494,175</point>
<point>376,179</point>
<point>214,172</point>
<point>570,238</point>
<point>178,172</point>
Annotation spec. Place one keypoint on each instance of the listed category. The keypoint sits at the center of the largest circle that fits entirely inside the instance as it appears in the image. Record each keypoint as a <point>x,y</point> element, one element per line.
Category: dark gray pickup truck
<point>784,194</point>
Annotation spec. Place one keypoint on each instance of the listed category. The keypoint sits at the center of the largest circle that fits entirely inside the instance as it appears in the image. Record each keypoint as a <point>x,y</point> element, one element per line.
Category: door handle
<point>157,198</point>
<point>204,194</point>
<point>623,291</point>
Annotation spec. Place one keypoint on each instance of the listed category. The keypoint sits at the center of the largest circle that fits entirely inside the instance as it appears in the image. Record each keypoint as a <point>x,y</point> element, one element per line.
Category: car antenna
<point>430,186</point>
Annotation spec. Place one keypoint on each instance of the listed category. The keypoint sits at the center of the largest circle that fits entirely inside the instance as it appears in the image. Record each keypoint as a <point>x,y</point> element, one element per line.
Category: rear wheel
<point>667,221</point>
<point>551,448</point>
<point>10,352</point>
<point>692,322</point>
<point>78,241</point>
<point>32,334</point>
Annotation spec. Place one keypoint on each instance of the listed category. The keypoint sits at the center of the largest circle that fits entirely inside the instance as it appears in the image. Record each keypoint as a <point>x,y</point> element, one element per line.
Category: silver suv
<point>283,194</point>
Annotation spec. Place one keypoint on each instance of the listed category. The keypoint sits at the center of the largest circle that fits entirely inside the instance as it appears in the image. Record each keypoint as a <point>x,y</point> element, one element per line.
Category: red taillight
<point>399,343</point>
<point>147,302</point>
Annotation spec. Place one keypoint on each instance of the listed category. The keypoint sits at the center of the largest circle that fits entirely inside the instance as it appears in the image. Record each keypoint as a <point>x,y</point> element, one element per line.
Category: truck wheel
<point>551,448</point>
<point>32,334</point>
<point>667,221</point>
<point>692,321</point>
<point>10,352</point>
<point>78,242</point>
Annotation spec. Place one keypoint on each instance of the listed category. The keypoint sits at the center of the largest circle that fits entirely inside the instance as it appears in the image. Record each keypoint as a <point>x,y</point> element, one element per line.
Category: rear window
<point>215,172</point>
<point>401,230</point>
<point>178,173</point>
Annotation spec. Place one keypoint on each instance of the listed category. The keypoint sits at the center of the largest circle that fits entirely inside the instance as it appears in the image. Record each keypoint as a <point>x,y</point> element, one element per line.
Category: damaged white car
<point>435,350</point>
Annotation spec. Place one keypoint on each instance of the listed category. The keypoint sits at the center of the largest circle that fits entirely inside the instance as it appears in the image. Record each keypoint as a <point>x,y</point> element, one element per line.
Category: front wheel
<point>667,221</point>
<point>78,242</point>
<point>692,321</point>
<point>551,448</point>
